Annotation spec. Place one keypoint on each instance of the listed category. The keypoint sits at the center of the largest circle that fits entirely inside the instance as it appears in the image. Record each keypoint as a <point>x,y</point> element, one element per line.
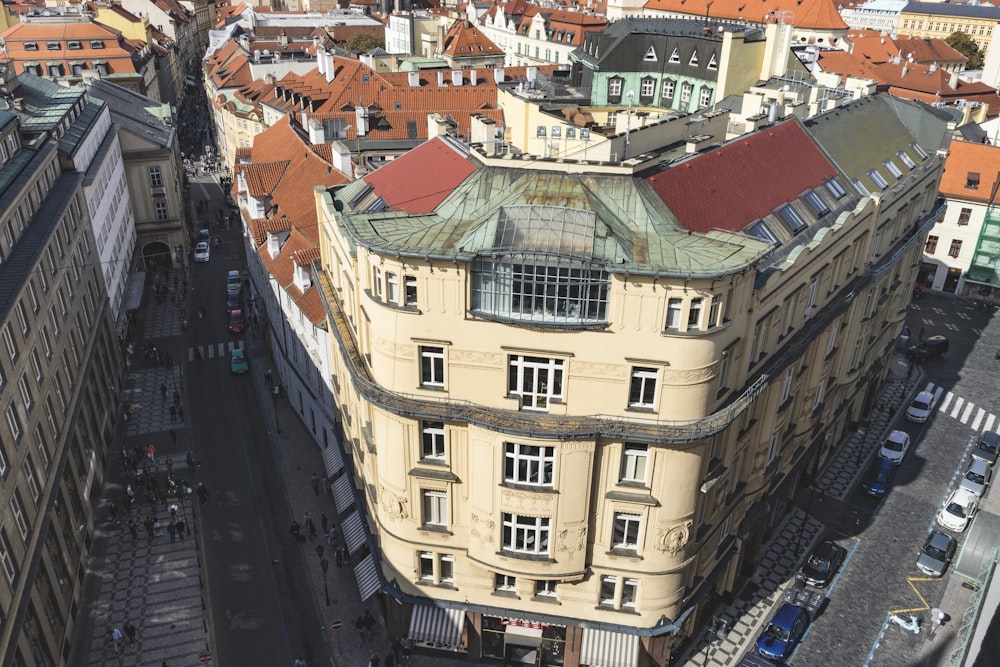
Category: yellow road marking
<point>926,606</point>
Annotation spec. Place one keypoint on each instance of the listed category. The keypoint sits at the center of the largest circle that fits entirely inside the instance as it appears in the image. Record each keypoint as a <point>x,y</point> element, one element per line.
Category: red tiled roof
<point>963,158</point>
<point>465,40</point>
<point>730,187</point>
<point>813,14</point>
<point>843,63</point>
<point>261,178</point>
<point>403,184</point>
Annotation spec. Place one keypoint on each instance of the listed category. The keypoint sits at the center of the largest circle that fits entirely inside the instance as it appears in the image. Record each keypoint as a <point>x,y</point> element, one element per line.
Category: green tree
<point>364,42</point>
<point>965,45</point>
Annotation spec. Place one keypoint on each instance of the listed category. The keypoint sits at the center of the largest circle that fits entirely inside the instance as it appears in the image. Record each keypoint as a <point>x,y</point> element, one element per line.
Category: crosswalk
<point>213,350</point>
<point>962,410</point>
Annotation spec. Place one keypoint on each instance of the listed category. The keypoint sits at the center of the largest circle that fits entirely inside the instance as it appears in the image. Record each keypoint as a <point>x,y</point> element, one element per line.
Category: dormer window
<point>761,231</point>
<point>713,62</point>
<point>919,150</point>
<point>878,179</point>
<point>835,189</point>
<point>675,57</point>
<point>30,46</point>
<point>893,169</point>
<point>905,159</point>
<point>694,59</point>
<point>615,85</point>
<point>650,56</point>
<point>972,180</point>
<point>74,46</point>
<point>96,44</point>
<point>792,218</point>
<point>52,46</point>
<point>817,204</point>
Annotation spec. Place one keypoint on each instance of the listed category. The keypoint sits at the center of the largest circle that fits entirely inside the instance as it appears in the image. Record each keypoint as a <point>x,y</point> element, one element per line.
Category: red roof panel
<point>404,183</point>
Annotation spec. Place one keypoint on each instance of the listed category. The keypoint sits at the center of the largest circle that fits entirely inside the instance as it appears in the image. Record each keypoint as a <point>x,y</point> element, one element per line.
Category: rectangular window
<point>705,97</point>
<point>446,562</point>
<point>963,216</point>
<point>931,245</point>
<point>723,370</point>
<point>155,176</point>
<point>26,398</point>
<point>8,341</point>
<point>529,464</point>
<point>686,92</point>
<point>536,380</point>
<point>713,312</point>
<point>642,391</point>
<point>28,469</point>
<point>832,344</point>
<point>630,591</point>
<point>17,512</point>
<point>818,401</point>
<point>13,425</point>
<point>431,366</point>
<point>786,387</point>
<point>626,532</point>
<point>878,179</point>
<point>694,313</point>
<point>608,587</point>
<point>7,557</point>
<point>526,534</point>
<point>614,87</point>
<point>392,287</point>
<point>435,506</point>
<point>761,231</point>
<point>905,159</point>
<point>504,582</point>
<point>426,565</point>
<point>546,587</point>
<point>161,211</point>
<point>674,309</point>
<point>819,206</point>
<point>410,285</point>
<point>634,463</point>
<point>956,248</point>
<point>792,218</point>
<point>377,281</point>
<point>892,168</point>
<point>772,453</point>
<point>667,90</point>
<point>647,87</point>
<point>432,440</point>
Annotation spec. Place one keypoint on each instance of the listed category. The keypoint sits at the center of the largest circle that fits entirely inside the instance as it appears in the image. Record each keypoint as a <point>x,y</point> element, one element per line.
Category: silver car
<point>977,477</point>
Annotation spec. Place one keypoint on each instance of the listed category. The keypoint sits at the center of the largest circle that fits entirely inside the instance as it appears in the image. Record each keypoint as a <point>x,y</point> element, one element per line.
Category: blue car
<point>783,632</point>
<point>879,477</point>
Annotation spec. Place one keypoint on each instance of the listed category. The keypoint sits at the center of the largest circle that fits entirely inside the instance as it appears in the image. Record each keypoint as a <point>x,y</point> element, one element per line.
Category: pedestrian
<point>157,529</point>
<point>172,531</point>
<point>163,497</point>
<point>148,525</point>
<point>133,529</point>
<point>324,522</point>
<point>373,660</point>
<point>347,555</point>
<point>331,536</point>
<point>181,528</point>
<point>202,493</point>
<point>173,437</point>
<point>319,551</point>
<point>315,483</point>
<point>295,529</point>
<point>130,632</point>
<point>338,557</point>
<point>170,464</point>
<point>395,648</point>
<point>180,413</point>
<point>177,397</point>
<point>390,660</point>
<point>190,460</point>
<point>311,525</point>
<point>114,636</point>
<point>163,391</point>
<point>173,413</point>
<point>114,512</point>
<point>151,453</point>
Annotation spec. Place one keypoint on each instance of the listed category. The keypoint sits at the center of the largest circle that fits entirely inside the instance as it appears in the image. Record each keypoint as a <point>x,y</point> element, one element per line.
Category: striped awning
<point>602,648</point>
<point>333,460</point>
<point>353,528</point>
<point>343,493</point>
<point>437,626</point>
<point>366,573</point>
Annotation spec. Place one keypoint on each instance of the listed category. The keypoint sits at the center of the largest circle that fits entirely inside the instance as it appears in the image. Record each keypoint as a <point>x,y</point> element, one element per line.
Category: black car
<point>822,564</point>
<point>988,447</point>
<point>929,348</point>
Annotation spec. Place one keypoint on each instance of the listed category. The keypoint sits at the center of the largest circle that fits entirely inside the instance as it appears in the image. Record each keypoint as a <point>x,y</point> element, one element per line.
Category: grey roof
<point>134,113</point>
<point>948,9</point>
<point>974,133</point>
<point>81,126</point>
<point>44,103</point>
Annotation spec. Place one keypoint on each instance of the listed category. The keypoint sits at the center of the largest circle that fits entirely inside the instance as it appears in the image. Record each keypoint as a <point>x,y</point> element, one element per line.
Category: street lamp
<point>628,122</point>
<point>274,397</point>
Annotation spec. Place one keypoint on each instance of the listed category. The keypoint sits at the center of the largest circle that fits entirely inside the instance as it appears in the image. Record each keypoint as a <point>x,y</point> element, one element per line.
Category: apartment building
<point>60,365</point>
<point>940,19</point>
<point>575,397</point>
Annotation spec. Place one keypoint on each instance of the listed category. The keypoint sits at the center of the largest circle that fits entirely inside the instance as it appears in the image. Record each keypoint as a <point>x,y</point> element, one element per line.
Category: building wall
<point>941,26</point>
<point>59,404</point>
<point>951,245</point>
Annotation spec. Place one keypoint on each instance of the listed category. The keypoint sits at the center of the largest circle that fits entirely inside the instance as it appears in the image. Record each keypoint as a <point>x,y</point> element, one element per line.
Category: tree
<point>364,42</point>
<point>967,46</point>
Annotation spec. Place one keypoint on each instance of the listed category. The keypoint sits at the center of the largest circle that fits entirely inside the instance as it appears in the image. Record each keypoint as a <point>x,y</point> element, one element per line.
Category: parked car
<point>936,554</point>
<point>238,363</point>
<point>822,564</point>
<point>895,447</point>
<point>234,281</point>
<point>920,408</point>
<point>202,252</point>
<point>958,510</point>
<point>977,477</point>
<point>989,445</point>
<point>783,632</point>
<point>236,323</point>
<point>203,235</point>
<point>879,477</point>
<point>233,301</point>
<point>929,348</point>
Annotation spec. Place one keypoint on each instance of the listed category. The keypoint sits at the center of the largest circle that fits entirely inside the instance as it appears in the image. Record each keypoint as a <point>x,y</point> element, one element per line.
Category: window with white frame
<point>618,592</point>
<point>546,587</point>
<point>13,425</point>
<point>723,370</point>
<point>650,56</point>
<point>7,557</point>
<point>377,281</point>
<point>811,300</point>
<point>786,387</point>
<point>161,210</point>
<point>432,440</point>
<point>446,565</point>
<point>630,592</point>
<point>609,591</point>
<point>792,218</point>
<point>535,380</point>
<point>525,534</point>
<point>647,87</point>
<point>878,179</point>
<point>725,529</point>
<point>714,311</point>
<point>26,398</point>
<point>431,366</point>
<point>675,307</point>
<point>626,531</point>
<point>435,507</point>
<point>504,582</point>
<point>22,318</point>
<point>8,341</point>
<point>529,464</point>
<point>667,89</point>
<point>410,290</point>
<point>818,400</point>
<point>3,461</point>
<point>686,92</point>
<point>615,87</point>
<point>155,176</point>
<point>693,60</point>
<point>17,513</point>
<point>832,342</point>
<point>713,62</point>
<point>635,459</point>
<point>772,452</point>
<point>426,565</point>
<point>392,287</point>
<point>694,313</point>
<point>705,96</point>
<point>892,168</point>
<point>28,470</point>
<point>675,56</point>
<point>642,389</point>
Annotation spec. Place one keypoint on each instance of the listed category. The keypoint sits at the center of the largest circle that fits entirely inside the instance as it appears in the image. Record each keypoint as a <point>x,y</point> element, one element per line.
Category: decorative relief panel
<point>571,540</point>
<point>672,539</point>
<point>525,502</point>
<point>690,375</point>
<point>391,348</point>
<point>393,505</point>
<point>483,528</point>
<point>610,371</point>
<point>476,358</point>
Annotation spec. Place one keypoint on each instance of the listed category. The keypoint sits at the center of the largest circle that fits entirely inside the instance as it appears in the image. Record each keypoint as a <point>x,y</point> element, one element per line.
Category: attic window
<point>399,106</point>
<point>818,205</point>
<point>792,218</point>
<point>650,56</point>
<point>972,180</point>
<point>762,232</point>
<point>860,187</point>
<point>96,44</point>
<point>30,46</point>
<point>411,129</point>
<point>675,57</point>
<point>75,46</point>
<point>364,78</point>
<point>905,159</point>
<point>52,46</point>
<point>893,169</point>
<point>919,150</point>
<point>713,62</point>
<point>878,179</point>
<point>835,189</point>
<point>694,59</point>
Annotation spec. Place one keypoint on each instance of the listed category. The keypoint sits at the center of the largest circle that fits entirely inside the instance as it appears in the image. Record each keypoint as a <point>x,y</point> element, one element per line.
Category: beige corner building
<point>576,398</point>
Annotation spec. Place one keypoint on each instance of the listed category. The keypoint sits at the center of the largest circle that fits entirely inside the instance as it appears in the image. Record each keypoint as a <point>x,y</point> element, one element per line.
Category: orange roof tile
<point>402,184</point>
<point>464,40</point>
<point>965,158</point>
<point>261,178</point>
<point>810,14</point>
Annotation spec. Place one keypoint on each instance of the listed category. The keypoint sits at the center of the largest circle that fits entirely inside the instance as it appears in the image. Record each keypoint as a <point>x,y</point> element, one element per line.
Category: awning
<point>343,493</point>
<point>353,528</point>
<point>333,460</point>
<point>602,648</point>
<point>437,626</point>
<point>523,636</point>
<point>133,290</point>
<point>366,573</point>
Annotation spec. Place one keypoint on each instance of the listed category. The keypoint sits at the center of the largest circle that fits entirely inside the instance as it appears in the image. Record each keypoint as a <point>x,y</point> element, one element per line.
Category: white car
<point>895,447</point>
<point>977,477</point>
<point>920,408</point>
<point>958,510</point>
<point>201,252</point>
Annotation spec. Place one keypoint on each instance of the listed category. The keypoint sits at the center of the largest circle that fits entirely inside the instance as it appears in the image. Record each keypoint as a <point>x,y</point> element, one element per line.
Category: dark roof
<point>130,111</point>
<point>947,9</point>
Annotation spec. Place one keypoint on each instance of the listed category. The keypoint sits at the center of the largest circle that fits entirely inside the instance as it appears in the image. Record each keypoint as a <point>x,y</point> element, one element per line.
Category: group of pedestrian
<point>115,635</point>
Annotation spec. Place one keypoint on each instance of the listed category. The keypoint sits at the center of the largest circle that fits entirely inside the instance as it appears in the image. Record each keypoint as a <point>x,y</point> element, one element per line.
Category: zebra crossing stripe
<point>946,402</point>
<point>959,402</point>
<point>968,411</point>
<point>989,423</point>
<point>190,354</point>
<point>937,394</point>
<point>978,420</point>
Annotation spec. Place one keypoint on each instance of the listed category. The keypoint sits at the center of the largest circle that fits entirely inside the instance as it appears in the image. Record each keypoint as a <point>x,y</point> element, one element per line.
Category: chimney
<point>953,81</point>
<point>473,77</point>
<point>330,69</point>
<point>440,78</point>
<point>456,77</point>
<point>321,62</point>
<point>498,74</point>
<point>413,78</point>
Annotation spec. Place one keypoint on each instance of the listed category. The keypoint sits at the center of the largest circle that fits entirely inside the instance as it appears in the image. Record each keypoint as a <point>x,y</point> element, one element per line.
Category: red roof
<point>403,183</point>
<point>743,181</point>
<point>810,14</point>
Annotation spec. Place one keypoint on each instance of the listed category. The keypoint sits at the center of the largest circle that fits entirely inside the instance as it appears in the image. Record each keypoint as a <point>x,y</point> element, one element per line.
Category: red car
<point>236,323</point>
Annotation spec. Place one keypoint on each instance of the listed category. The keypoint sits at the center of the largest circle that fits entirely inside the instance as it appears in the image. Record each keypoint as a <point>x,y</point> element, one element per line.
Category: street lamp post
<point>274,398</point>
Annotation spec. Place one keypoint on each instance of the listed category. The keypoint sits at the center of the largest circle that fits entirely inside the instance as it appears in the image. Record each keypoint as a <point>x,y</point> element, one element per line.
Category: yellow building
<point>575,397</point>
<point>940,19</point>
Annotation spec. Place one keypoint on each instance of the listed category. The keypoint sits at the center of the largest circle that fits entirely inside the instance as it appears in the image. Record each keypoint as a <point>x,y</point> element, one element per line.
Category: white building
<point>880,15</point>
